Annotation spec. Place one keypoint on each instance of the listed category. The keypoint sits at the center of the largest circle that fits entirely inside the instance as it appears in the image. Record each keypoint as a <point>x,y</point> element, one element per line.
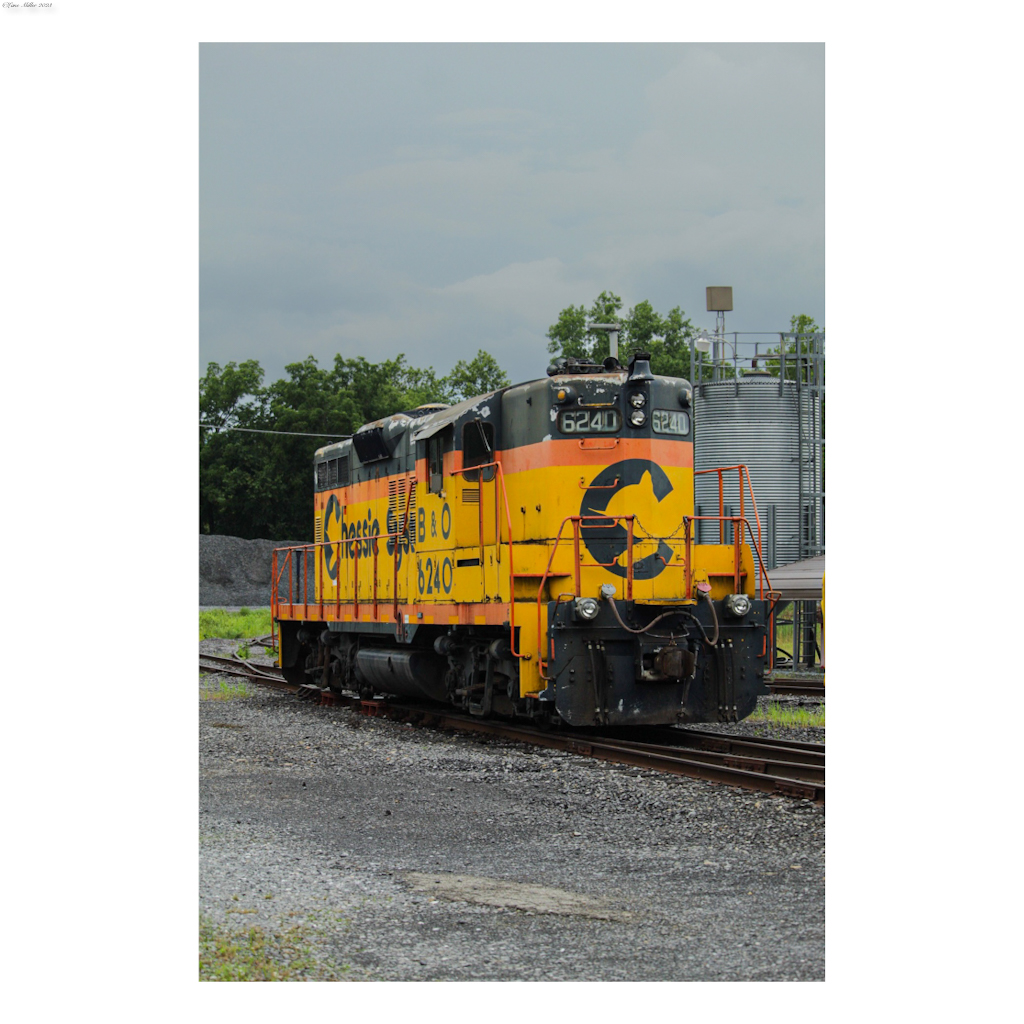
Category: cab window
<point>435,461</point>
<point>478,448</point>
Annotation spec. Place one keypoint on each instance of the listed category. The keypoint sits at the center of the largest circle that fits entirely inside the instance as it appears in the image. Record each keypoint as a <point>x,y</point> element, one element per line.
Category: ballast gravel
<point>234,571</point>
<point>409,854</point>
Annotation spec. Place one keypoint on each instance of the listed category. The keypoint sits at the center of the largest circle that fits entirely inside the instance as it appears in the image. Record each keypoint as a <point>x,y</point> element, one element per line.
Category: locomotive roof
<point>438,421</point>
<point>425,420</point>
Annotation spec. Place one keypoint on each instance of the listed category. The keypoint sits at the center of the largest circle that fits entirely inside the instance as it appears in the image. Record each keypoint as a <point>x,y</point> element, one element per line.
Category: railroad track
<point>782,767</point>
<point>269,675</point>
<point>783,688</point>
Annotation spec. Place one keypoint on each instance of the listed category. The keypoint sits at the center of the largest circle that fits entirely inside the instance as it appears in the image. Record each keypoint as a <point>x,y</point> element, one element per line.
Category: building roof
<point>799,581</point>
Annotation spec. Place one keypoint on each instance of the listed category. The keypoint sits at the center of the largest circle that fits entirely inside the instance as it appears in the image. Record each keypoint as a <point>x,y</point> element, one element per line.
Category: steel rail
<point>797,690</point>
<point>764,774</point>
<point>236,662</point>
<point>788,768</point>
<point>269,674</point>
<point>790,751</point>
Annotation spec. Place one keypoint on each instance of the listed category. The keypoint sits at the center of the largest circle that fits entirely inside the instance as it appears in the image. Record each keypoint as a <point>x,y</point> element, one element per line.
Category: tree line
<point>261,484</point>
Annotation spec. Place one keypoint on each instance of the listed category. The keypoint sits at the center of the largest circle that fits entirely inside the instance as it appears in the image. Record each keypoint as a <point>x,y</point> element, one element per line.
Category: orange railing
<point>320,552</point>
<point>577,526</point>
<point>499,482</point>
<point>317,550</point>
<point>744,474</point>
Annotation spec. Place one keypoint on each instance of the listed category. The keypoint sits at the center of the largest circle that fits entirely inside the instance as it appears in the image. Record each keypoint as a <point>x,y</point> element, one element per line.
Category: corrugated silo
<point>774,428</point>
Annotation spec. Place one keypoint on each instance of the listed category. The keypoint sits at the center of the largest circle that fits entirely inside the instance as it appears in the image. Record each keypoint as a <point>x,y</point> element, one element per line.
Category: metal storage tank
<point>773,427</point>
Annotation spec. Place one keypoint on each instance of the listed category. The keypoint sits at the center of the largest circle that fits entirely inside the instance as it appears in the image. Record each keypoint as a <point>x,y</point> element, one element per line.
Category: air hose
<point>650,625</point>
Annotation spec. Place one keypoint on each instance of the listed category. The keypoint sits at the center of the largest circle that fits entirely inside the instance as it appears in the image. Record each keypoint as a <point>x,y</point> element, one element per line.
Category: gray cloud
<point>371,199</point>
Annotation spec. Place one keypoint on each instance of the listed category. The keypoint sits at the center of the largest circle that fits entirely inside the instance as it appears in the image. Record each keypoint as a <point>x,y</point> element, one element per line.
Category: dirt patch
<point>497,892</point>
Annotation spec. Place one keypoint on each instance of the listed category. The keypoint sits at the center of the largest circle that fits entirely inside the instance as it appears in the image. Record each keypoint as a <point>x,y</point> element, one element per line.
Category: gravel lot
<point>365,849</point>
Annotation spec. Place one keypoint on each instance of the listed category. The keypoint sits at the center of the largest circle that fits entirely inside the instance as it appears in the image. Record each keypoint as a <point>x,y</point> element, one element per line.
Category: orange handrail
<point>499,480</point>
<point>576,524</point>
<point>744,473</point>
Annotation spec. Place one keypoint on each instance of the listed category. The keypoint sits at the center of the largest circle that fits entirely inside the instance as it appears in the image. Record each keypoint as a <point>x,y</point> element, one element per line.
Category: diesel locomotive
<point>531,552</point>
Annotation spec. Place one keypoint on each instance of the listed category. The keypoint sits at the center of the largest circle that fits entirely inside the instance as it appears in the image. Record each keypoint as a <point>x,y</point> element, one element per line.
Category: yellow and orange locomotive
<point>532,552</point>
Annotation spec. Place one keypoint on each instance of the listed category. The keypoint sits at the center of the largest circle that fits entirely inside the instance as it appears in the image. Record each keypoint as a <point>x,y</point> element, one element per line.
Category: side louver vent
<point>398,488</point>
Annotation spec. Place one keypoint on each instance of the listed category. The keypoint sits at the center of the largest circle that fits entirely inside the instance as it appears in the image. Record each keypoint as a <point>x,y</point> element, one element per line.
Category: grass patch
<point>227,691</point>
<point>254,954</point>
<point>245,624</point>
<point>790,718</point>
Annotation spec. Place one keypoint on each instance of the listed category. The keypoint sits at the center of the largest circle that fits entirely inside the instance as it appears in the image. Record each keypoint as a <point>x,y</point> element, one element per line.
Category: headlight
<point>586,608</point>
<point>638,399</point>
<point>737,605</point>
<point>638,417</point>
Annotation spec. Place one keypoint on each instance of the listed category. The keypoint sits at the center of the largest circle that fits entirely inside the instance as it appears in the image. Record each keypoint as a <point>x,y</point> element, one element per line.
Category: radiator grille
<point>397,488</point>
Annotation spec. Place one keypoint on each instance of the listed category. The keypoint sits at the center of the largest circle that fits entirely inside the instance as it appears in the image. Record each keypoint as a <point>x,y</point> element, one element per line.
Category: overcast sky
<point>438,199</point>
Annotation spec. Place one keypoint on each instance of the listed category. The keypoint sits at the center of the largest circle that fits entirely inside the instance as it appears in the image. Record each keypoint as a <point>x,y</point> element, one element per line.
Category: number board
<point>668,421</point>
<point>589,421</point>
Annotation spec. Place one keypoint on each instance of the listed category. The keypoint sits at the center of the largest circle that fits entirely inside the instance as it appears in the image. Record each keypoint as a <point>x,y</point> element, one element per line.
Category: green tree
<point>803,326</point>
<point>260,485</point>
<point>222,392</point>
<point>569,337</point>
<point>643,330</point>
<point>479,376</point>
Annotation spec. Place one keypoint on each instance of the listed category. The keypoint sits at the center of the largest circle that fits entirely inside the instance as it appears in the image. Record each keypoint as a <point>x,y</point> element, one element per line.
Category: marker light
<point>638,417</point>
<point>586,608</point>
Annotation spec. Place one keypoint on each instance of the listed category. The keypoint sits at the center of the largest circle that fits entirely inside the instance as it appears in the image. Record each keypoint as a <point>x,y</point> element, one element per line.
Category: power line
<point>290,433</point>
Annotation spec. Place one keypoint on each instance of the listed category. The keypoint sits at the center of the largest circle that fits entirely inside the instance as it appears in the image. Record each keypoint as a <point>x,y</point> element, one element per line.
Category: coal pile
<point>233,571</point>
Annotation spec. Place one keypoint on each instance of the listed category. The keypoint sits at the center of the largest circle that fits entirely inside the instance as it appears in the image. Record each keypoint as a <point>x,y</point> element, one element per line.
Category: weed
<point>254,954</point>
<point>228,691</point>
<point>238,625</point>
<point>243,651</point>
<point>789,717</point>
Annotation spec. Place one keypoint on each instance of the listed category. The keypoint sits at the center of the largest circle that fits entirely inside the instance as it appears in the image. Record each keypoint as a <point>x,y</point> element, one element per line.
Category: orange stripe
<point>493,614</point>
<point>567,452</point>
<point>556,452</point>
